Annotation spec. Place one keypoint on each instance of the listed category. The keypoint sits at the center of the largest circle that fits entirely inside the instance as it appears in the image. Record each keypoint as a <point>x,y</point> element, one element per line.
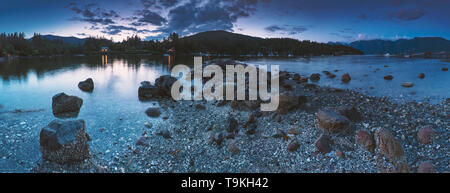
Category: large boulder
<point>331,121</point>
<point>66,106</point>
<point>147,91</point>
<point>164,84</point>
<point>388,145</point>
<point>65,141</point>
<point>87,85</point>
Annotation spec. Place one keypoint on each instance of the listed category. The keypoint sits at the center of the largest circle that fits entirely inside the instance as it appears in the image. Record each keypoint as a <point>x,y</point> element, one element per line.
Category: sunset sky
<point>317,20</point>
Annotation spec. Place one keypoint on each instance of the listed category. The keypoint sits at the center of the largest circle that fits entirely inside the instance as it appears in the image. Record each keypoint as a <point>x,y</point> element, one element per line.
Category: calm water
<point>30,83</point>
<point>368,71</point>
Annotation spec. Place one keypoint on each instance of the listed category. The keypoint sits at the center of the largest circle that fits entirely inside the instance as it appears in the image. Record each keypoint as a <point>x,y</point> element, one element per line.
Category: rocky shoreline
<point>316,129</point>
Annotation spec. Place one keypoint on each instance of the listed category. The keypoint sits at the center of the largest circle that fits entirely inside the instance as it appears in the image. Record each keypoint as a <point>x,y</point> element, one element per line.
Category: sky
<point>315,20</point>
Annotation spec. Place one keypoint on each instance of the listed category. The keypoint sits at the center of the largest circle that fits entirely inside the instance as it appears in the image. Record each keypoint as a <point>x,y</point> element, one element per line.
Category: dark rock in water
<point>296,77</point>
<point>388,145</point>
<point>66,106</point>
<point>421,75</point>
<point>346,78</point>
<point>303,80</point>
<point>315,77</point>
<point>388,77</point>
<point>407,84</point>
<point>293,145</point>
<point>310,86</point>
<point>232,125</point>
<point>153,112</point>
<point>323,144</point>
<point>200,107</point>
<point>444,69</point>
<point>147,91</point>
<point>165,133</point>
<point>424,134</point>
<point>326,72</point>
<point>350,112</point>
<point>87,85</point>
<point>289,84</point>
<point>164,83</point>
<point>366,140</point>
<point>331,75</point>
<point>65,141</point>
<point>331,121</point>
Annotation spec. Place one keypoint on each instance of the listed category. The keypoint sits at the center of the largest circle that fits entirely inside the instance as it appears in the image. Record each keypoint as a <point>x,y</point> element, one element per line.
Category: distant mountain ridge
<point>67,40</point>
<point>402,46</point>
<point>228,42</point>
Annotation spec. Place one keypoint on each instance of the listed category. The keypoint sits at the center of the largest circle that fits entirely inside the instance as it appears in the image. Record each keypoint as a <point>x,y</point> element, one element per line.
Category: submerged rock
<point>407,84</point>
<point>421,75</point>
<point>147,91</point>
<point>444,69</point>
<point>388,145</point>
<point>65,141</point>
<point>346,78</point>
<point>66,106</point>
<point>388,77</point>
<point>331,121</point>
<point>315,77</point>
<point>87,85</point>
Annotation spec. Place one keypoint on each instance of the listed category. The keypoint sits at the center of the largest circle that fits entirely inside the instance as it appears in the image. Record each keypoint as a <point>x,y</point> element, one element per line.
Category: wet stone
<point>65,141</point>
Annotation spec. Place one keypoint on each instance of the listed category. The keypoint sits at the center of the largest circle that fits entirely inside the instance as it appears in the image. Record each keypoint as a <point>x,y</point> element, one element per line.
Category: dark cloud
<point>159,4</point>
<point>286,29</point>
<point>93,14</point>
<point>197,16</point>
<point>406,14</point>
<point>148,17</point>
<point>117,29</point>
